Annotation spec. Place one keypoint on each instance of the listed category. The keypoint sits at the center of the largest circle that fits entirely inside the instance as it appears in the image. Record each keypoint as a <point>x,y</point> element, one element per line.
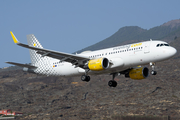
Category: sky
<point>71,25</point>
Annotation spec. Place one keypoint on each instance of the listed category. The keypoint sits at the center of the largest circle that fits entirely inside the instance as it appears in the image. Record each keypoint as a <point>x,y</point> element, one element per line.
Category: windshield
<point>160,45</point>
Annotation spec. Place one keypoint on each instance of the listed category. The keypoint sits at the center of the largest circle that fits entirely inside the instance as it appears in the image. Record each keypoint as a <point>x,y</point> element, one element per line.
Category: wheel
<point>88,78</point>
<point>85,78</point>
<point>112,83</point>
<point>153,72</point>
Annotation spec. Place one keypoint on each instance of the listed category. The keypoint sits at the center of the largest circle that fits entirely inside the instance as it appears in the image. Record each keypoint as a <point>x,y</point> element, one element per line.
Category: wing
<point>77,60</point>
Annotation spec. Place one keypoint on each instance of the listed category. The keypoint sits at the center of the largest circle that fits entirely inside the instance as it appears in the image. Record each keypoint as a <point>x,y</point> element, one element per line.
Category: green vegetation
<point>174,96</point>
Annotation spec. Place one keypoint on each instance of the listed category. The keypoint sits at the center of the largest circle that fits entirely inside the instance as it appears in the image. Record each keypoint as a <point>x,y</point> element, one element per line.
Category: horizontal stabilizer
<point>22,65</point>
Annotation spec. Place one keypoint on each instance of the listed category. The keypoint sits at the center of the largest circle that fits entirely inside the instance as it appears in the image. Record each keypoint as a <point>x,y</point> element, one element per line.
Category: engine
<point>139,73</point>
<point>98,64</point>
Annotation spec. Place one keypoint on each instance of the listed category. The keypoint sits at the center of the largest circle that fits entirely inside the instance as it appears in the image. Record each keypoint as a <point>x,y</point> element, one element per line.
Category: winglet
<point>14,38</point>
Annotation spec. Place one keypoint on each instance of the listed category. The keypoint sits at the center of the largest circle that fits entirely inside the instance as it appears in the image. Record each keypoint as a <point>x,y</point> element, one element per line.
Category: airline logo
<point>135,45</point>
<point>54,65</point>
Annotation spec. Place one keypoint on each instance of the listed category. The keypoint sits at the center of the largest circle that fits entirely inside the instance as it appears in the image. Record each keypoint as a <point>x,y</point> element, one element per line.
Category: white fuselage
<point>122,57</point>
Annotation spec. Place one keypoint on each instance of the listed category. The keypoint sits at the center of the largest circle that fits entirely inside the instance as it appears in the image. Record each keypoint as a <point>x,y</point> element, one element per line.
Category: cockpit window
<point>160,45</point>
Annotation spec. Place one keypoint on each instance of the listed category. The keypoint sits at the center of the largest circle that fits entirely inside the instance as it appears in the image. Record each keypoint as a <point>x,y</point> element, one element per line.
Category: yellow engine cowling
<point>98,64</point>
<point>139,73</point>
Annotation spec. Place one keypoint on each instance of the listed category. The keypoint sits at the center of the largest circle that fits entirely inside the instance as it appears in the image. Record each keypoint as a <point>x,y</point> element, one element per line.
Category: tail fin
<point>32,41</point>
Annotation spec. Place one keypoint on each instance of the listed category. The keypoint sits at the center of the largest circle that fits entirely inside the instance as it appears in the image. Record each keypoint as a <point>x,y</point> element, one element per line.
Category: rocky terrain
<point>42,97</point>
<point>68,98</point>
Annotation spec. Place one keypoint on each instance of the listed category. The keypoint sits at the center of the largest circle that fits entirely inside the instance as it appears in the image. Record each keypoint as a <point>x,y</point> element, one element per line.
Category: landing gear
<point>153,72</point>
<point>113,83</point>
<point>85,78</point>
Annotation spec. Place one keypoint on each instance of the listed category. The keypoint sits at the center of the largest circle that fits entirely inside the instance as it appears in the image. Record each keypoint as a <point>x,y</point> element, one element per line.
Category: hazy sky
<point>71,25</point>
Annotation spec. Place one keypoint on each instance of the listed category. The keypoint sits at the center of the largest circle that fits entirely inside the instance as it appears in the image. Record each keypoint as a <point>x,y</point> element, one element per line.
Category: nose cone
<point>164,53</point>
<point>172,51</point>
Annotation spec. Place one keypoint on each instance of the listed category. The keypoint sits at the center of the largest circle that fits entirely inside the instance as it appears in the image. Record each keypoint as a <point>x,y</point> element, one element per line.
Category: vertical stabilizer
<point>32,41</point>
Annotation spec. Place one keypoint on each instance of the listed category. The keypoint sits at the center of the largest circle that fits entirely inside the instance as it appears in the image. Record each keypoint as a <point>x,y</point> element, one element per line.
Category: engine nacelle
<point>98,64</point>
<point>139,73</point>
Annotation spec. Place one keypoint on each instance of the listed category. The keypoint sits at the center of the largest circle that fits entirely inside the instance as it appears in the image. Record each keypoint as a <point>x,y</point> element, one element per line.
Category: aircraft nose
<point>172,51</point>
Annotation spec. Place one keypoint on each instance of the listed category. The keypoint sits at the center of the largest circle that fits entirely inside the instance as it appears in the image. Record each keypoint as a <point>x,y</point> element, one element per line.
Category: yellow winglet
<point>14,38</point>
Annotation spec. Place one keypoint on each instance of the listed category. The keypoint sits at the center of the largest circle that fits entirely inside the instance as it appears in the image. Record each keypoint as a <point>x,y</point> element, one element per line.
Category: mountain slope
<point>123,34</point>
<point>130,34</point>
<point>173,35</point>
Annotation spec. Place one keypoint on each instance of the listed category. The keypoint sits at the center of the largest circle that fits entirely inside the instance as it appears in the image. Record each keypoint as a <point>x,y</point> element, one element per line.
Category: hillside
<point>129,34</point>
<point>173,35</point>
<point>123,34</point>
<point>68,98</point>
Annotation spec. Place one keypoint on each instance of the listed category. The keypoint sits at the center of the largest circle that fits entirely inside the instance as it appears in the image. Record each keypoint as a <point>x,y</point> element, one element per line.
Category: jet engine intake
<point>139,73</point>
<point>98,64</point>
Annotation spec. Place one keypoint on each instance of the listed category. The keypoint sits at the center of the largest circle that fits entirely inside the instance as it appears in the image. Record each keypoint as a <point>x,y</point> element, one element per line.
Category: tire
<point>83,77</point>
<point>153,72</point>
<point>88,78</point>
<point>112,83</point>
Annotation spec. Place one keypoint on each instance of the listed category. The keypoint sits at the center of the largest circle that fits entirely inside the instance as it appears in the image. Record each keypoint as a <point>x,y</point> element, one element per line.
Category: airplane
<point>121,60</point>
